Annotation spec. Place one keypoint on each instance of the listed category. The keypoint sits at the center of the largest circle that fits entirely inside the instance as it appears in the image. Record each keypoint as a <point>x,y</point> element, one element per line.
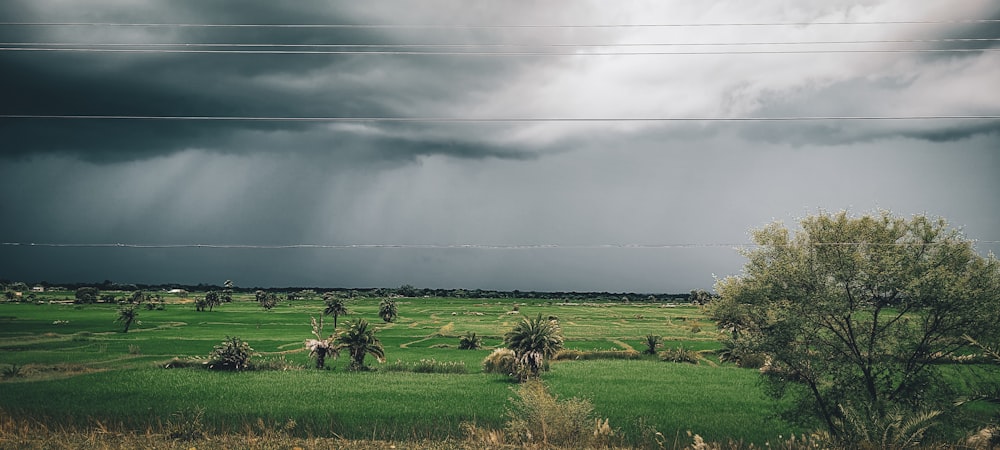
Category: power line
<point>491,45</point>
<point>490,119</point>
<point>499,26</point>
<point>466,246</point>
<point>470,53</point>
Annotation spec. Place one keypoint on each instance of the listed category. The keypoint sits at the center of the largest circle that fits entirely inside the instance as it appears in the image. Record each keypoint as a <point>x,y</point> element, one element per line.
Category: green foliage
<point>387,310</point>
<point>12,371</point>
<point>537,417</point>
<point>533,341</point>
<point>876,428</point>
<point>334,306</point>
<point>470,341</point>
<point>128,315</point>
<point>652,343</point>
<point>232,354</point>
<point>359,340</point>
<point>680,355</point>
<point>86,295</point>
<point>212,299</point>
<point>266,300</point>
<point>860,311</point>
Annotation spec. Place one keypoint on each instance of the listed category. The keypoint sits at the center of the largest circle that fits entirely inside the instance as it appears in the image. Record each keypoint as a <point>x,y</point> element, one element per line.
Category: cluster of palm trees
<point>533,340</point>
<point>358,340</point>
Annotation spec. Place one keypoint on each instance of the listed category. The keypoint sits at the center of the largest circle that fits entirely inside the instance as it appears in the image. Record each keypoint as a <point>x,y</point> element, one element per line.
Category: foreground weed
<point>186,425</point>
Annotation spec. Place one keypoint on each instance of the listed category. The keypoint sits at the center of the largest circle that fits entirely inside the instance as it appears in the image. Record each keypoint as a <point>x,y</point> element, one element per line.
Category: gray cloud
<point>574,184</point>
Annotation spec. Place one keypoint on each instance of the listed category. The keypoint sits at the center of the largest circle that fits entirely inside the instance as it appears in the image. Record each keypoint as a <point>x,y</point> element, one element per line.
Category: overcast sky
<point>638,206</point>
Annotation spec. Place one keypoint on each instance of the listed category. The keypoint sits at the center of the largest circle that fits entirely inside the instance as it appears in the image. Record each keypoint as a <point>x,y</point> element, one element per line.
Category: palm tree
<point>470,341</point>
<point>212,299</point>
<point>652,342</point>
<point>334,307</point>
<point>127,315</point>
<point>387,310</point>
<point>321,347</point>
<point>534,341</point>
<point>359,340</point>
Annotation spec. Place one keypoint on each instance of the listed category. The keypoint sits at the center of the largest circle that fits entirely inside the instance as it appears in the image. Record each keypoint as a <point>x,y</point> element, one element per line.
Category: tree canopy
<point>859,311</point>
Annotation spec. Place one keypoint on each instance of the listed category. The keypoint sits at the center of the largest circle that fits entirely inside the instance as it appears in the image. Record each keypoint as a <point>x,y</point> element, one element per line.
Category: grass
<point>84,370</point>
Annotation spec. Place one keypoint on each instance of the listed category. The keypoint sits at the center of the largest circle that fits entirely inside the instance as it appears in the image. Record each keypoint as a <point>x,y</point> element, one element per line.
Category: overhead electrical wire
<point>466,246</point>
<point>470,53</point>
<point>491,119</point>
<point>498,26</point>
<point>493,45</point>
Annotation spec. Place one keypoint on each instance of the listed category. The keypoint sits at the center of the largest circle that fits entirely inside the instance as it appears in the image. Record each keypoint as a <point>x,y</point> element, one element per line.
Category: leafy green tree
<point>858,313</point>
<point>267,300</point>
<point>334,307</point>
<point>534,341</point>
<point>128,315</point>
<point>359,340</point>
<point>387,310</point>
<point>87,294</point>
<point>407,290</point>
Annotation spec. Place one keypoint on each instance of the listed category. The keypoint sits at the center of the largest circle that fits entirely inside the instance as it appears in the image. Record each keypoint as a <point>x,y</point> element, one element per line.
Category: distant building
<point>177,291</point>
<point>38,289</point>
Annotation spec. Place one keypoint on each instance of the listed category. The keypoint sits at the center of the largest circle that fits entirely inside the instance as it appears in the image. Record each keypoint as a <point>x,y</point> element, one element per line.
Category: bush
<point>500,361</point>
<point>232,354</point>
<point>538,417</point>
<point>679,354</point>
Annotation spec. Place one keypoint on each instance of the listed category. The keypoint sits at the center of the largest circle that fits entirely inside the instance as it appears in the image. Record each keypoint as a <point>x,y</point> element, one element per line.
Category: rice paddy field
<point>68,365</point>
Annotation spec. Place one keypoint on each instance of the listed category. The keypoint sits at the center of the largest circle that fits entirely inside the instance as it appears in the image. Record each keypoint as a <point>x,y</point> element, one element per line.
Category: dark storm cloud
<point>231,85</point>
<point>264,183</point>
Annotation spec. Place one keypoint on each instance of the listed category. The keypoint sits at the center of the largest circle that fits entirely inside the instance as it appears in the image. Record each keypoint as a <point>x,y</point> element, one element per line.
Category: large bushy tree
<point>857,313</point>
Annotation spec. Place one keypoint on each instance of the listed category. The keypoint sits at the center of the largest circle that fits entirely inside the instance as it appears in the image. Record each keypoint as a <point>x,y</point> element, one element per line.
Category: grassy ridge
<point>639,397</point>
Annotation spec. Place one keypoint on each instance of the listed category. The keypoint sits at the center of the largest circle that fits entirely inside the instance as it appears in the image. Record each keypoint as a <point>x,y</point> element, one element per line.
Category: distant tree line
<point>296,293</point>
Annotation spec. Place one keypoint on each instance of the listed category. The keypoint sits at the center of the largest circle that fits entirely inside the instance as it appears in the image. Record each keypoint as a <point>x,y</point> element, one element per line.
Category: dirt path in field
<point>621,344</point>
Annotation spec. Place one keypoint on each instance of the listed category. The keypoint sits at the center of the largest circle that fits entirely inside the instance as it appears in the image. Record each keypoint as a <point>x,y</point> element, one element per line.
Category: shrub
<point>232,354</point>
<point>679,354</point>
<point>13,371</point>
<point>186,425</point>
<point>470,341</point>
<point>538,417</point>
<point>500,361</point>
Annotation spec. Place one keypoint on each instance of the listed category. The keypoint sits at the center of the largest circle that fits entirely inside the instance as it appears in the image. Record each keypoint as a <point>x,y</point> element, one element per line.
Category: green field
<point>76,367</point>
